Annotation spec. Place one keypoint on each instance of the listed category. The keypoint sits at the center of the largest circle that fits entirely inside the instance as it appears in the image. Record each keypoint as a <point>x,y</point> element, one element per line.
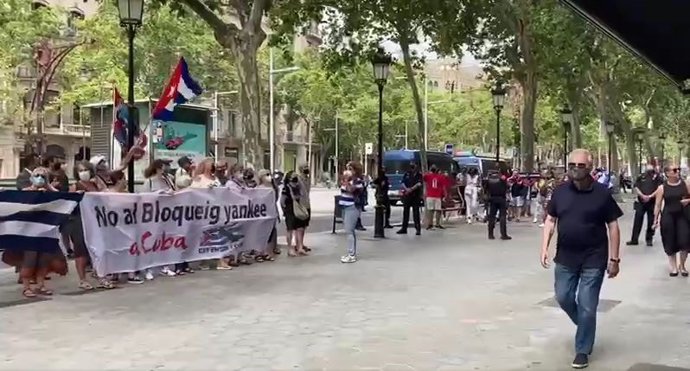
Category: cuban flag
<point>121,117</point>
<point>30,220</point>
<point>180,89</point>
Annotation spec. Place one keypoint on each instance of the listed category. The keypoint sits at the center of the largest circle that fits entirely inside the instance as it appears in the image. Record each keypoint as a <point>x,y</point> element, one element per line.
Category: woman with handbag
<point>296,215</point>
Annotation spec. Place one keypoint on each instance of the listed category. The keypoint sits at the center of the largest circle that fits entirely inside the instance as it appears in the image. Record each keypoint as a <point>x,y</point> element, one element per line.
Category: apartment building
<point>450,75</point>
<point>64,133</point>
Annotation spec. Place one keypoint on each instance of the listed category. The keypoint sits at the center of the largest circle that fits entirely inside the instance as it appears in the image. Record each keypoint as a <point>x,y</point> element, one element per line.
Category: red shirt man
<point>435,183</point>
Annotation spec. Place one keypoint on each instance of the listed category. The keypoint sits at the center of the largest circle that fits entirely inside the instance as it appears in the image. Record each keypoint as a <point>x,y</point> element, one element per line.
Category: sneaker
<point>149,275</point>
<point>506,238</point>
<point>650,243</point>
<point>167,272</point>
<point>348,259</point>
<point>402,231</point>
<point>136,280</point>
<point>581,361</point>
<point>541,225</point>
<point>440,227</point>
<point>632,243</point>
<point>469,220</point>
<point>418,233</point>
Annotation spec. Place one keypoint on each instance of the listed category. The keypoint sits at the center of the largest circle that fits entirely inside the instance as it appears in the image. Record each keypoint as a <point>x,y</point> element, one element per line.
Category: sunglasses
<point>673,170</point>
<point>578,165</point>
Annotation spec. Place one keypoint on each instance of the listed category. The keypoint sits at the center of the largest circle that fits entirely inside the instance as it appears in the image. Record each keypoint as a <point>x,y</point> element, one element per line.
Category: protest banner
<point>131,232</point>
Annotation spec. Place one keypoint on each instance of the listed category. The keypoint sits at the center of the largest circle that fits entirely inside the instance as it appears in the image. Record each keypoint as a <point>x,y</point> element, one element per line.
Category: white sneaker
<point>469,220</point>
<point>534,220</point>
<point>541,225</point>
<point>149,275</point>
<point>167,272</point>
<point>348,259</point>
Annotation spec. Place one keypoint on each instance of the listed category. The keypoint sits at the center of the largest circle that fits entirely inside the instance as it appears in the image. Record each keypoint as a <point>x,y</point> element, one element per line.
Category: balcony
<point>294,137</point>
<point>68,130</point>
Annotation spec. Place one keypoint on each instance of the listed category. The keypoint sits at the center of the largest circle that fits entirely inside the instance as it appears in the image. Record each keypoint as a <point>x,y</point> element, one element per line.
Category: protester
<point>545,188</point>
<point>107,178</point>
<point>205,178</point>
<point>236,181</point>
<point>85,174</point>
<point>158,180</point>
<point>183,175</point>
<point>24,177</point>
<point>305,185</point>
<point>472,184</point>
<point>382,187</point>
<point>435,186</point>
<point>222,172</point>
<point>351,186</point>
<point>672,218</point>
<point>295,214</point>
<point>36,265</point>
<point>583,210</point>
<point>517,195</point>
<point>645,187</point>
<point>268,254</point>
<point>496,190</point>
<point>411,194</point>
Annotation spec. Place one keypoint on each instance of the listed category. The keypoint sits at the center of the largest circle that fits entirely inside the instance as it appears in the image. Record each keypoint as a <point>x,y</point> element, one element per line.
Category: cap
<point>184,160</point>
<point>95,160</point>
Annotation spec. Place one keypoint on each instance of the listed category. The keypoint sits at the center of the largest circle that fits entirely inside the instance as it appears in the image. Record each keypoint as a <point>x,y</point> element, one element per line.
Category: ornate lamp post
<point>381,63</point>
<point>131,13</point>
<point>610,127</point>
<point>498,93</point>
<point>566,120</point>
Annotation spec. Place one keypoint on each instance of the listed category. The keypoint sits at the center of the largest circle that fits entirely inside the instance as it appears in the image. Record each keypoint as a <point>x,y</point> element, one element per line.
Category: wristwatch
<point>617,261</point>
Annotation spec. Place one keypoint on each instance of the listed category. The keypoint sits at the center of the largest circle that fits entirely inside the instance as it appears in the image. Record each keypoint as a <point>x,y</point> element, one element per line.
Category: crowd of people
<point>49,174</point>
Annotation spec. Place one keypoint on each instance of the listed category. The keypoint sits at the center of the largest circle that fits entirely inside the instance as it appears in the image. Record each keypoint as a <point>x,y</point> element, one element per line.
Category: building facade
<point>450,75</point>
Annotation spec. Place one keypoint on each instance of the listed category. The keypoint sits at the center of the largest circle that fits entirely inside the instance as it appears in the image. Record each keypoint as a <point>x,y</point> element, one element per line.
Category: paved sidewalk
<point>444,301</point>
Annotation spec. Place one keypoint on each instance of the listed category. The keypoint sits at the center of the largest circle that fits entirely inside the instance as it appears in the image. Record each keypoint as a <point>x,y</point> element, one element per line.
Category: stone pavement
<point>444,301</point>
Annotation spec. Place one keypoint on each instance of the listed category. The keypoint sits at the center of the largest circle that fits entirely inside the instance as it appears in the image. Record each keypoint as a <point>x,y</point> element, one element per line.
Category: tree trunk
<point>250,101</point>
<point>409,72</point>
<point>529,102</point>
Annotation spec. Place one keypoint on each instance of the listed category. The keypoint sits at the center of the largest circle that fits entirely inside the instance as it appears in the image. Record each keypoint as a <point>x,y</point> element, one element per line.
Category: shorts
<point>517,201</point>
<point>434,204</point>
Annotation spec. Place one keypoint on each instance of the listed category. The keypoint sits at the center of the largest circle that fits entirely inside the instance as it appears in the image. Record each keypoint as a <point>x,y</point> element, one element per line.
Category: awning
<point>656,31</point>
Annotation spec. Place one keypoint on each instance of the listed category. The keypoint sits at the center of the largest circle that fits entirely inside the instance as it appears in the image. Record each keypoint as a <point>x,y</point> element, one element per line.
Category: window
<point>75,15</point>
<point>232,124</point>
<point>38,4</point>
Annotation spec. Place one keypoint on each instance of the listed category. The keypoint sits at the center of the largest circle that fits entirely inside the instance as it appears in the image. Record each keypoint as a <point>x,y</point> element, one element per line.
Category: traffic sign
<point>368,148</point>
<point>449,149</point>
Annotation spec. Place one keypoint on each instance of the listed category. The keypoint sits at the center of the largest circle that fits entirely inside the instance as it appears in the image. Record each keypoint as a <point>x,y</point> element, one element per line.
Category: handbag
<point>298,209</point>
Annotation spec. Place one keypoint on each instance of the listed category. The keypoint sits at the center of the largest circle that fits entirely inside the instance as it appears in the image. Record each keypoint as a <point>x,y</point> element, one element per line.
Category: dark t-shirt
<point>496,186</point>
<point>647,184</point>
<point>583,216</point>
<point>409,180</point>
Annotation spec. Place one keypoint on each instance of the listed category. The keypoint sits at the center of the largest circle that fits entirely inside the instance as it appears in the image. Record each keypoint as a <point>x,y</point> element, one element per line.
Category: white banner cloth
<point>131,232</point>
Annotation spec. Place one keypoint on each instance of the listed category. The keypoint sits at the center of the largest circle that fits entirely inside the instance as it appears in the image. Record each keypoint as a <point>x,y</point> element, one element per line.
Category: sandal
<point>302,253</point>
<point>85,285</point>
<point>306,249</point>
<point>683,271</point>
<point>179,272</point>
<point>269,258</point>
<point>105,284</point>
<point>276,250</point>
<point>259,258</point>
<point>292,253</point>
<point>28,293</point>
<point>44,291</point>
<point>188,270</point>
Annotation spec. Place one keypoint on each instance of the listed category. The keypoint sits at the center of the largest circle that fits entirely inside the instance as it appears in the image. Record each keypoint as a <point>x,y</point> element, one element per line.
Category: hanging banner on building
<point>131,232</point>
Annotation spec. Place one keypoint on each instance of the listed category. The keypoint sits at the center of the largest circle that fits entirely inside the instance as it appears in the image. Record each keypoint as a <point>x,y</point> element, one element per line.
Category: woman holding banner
<point>158,180</point>
<point>85,174</point>
<point>205,178</point>
<point>266,181</point>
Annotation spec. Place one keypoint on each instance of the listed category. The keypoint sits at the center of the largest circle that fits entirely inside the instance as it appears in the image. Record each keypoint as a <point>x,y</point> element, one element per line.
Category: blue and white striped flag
<point>30,220</point>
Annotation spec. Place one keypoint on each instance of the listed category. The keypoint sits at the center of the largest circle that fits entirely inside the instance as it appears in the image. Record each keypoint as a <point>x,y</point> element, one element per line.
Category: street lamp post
<point>639,151</point>
<point>271,125</point>
<point>131,12</point>
<point>662,138</point>
<point>499,95</point>
<point>381,63</point>
<point>610,127</point>
<point>566,120</point>
<point>335,157</point>
<point>216,128</point>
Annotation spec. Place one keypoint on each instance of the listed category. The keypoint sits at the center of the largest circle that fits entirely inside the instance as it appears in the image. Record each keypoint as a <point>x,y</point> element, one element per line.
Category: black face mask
<point>294,180</point>
<point>579,173</point>
<point>305,171</point>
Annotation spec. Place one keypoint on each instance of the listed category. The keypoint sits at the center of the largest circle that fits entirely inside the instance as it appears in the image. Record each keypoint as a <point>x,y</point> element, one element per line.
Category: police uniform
<point>496,188</point>
<point>646,183</point>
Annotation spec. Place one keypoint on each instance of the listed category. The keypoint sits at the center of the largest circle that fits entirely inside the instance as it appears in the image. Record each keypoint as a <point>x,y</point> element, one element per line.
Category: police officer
<point>644,187</point>
<point>496,188</point>
<point>412,198</point>
<point>382,188</point>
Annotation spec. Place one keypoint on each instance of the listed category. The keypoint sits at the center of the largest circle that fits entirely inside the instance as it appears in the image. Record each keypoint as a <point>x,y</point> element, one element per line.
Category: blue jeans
<point>582,310</point>
<point>350,216</point>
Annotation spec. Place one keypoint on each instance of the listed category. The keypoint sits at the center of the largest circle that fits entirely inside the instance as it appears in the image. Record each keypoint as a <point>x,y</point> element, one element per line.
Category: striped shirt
<point>351,198</point>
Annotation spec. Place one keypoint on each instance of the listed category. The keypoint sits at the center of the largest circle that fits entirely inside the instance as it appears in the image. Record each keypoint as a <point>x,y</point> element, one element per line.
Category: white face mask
<point>84,175</point>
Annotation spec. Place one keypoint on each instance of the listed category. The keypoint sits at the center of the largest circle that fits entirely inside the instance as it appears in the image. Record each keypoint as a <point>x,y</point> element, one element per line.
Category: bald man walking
<point>584,212</point>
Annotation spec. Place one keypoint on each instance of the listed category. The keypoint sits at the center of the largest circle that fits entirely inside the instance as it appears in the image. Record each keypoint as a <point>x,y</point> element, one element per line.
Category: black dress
<point>675,229</point>
<point>291,221</point>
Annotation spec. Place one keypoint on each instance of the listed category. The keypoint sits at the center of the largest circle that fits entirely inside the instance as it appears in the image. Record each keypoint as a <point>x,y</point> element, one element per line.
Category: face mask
<point>38,181</point>
<point>84,175</point>
<point>579,174</point>
<point>238,175</point>
<point>650,171</point>
<point>294,180</point>
<point>305,171</point>
<point>56,166</point>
